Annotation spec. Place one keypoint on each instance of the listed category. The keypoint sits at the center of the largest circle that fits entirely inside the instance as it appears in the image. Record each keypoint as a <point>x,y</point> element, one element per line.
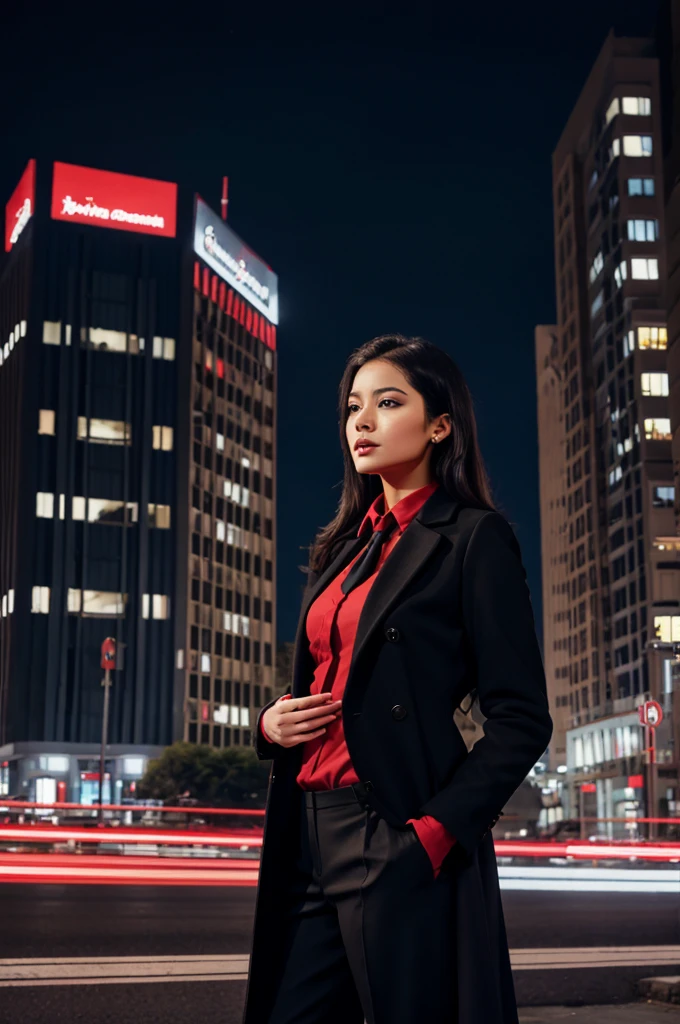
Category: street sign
<point>650,713</point>
<point>109,653</point>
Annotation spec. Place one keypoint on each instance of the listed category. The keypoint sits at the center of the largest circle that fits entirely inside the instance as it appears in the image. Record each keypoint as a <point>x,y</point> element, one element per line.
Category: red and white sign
<point>109,653</point>
<point>110,200</point>
<point>21,206</point>
<point>650,713</point>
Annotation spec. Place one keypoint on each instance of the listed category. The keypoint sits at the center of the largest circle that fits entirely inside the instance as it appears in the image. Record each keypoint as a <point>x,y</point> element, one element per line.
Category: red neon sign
<point>110,200</point>
<point>21,206</point>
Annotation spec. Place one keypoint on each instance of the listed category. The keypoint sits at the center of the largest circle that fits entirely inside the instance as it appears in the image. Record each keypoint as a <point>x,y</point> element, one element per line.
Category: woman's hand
<point>294,720</point>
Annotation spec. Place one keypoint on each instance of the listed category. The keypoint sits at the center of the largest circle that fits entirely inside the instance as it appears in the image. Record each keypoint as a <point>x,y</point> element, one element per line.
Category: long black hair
<point>456,462</point>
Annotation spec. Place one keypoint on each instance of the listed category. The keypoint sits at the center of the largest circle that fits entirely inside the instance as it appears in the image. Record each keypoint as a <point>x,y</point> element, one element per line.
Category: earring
<point>435,439</point>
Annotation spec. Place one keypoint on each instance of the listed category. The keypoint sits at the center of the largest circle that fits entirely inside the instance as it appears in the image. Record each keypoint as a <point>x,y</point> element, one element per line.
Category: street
<point>132,949</point>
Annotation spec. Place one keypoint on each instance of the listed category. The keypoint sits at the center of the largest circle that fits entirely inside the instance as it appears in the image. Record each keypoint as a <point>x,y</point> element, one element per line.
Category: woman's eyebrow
<point>378,391</point>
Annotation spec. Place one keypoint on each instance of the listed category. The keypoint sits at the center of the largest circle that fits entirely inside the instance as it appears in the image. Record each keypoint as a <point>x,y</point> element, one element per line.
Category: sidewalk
<point>620,1013</point>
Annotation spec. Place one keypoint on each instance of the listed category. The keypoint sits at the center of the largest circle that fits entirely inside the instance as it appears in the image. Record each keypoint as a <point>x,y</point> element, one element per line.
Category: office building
<point>610,573</point>
<point>137,410</point>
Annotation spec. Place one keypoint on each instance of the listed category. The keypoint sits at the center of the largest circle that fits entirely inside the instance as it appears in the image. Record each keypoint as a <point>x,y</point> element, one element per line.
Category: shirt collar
<point>404,511</point>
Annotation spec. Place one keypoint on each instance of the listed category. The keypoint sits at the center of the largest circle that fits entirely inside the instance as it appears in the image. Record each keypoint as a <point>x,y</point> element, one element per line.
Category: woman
<point>378,895</point>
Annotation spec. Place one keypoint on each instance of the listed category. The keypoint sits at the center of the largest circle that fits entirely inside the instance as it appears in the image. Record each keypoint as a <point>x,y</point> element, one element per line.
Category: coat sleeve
<point>499,625</point>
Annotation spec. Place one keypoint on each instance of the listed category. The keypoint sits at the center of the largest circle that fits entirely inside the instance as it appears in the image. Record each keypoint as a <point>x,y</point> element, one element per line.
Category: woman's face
<point>385,409</point>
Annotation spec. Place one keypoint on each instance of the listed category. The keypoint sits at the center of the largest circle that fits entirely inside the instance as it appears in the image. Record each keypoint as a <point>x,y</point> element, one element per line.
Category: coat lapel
<point>416,545</point>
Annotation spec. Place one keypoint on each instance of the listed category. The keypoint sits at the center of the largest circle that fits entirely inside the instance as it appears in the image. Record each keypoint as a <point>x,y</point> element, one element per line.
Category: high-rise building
<point>137,469</point>
<point>610,582</point>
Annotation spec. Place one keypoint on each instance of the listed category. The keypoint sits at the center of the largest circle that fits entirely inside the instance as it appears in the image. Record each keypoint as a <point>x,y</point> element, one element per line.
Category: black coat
<point>448,611</point>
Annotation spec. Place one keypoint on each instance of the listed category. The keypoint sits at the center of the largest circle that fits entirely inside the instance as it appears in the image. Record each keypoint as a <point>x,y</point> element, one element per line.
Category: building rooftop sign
<point>21,206</point>
<point>230,258</point>
<point>110,200</point>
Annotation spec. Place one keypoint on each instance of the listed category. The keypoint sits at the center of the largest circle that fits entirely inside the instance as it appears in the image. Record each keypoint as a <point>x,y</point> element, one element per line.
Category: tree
<point>228,777</point>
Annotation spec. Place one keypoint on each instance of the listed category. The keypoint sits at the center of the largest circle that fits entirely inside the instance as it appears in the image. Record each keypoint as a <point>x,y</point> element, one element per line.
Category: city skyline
<point>366,160</point>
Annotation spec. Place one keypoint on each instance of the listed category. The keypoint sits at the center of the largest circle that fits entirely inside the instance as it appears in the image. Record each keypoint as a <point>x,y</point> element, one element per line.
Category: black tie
<point>367,561</point>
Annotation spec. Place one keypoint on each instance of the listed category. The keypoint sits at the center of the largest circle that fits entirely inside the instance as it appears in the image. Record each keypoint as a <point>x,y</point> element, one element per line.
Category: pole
<point>580,811</point>
<point>106,683</point>
<point>225,199</point>
<point>652,781</point>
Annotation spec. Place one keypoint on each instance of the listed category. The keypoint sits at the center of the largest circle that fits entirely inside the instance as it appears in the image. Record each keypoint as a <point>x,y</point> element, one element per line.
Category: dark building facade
<point>137,336</point>
<point>610,549</point>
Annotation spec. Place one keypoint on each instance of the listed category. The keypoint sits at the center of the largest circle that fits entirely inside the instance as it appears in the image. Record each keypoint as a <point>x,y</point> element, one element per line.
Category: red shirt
<point>331,629</point>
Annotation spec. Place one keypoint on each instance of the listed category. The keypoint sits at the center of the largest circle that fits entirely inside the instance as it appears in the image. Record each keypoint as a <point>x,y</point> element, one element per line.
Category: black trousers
<point>369,933</point>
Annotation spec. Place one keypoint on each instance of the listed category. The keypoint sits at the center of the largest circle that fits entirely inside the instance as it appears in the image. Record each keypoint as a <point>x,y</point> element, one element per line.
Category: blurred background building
<point>611,555</point>
<point>137,469</point>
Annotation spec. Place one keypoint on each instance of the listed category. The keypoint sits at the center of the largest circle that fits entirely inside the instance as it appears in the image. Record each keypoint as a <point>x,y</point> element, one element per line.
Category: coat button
<point>368,786</point>
<point>392,634</point>
<point>399,712</point>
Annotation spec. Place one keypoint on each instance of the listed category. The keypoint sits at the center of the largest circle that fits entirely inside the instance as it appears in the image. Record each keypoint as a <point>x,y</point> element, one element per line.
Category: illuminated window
<point>628,342</point>
<point>104,431</point>
<point>643,230</point>
<point>245,716</point>
<point>641,186</point>
<point>205,663</point>
<point>112,341</point>
<point>597,265</point>
<point>40,600</point>
<point>219,530</point>
<point>620,274</point>
<point>52,332</point>
<point>221,714</point>
<point>227,621</point>
<point>46,421</point>
<point>663,497</point>
<point>652,337</point>
<point>654,383</point>
<point>597,303</point>
<point>667,628</point>
<point>44,506</point>
<point>163,438</point>
<point>637,105</point>
<point>220,442</point>
<point>163,348</point>
<point>637,145</point>
<point>612,110</point>
<point>105,511</point>
<point>159,516</point>
<point>160,606</point>
<point>658,429</point>
<point>645,269</point>
<point>104,603</point>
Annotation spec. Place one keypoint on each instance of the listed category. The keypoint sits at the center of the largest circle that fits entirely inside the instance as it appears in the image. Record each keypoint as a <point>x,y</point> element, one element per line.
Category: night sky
<point>391,162</point>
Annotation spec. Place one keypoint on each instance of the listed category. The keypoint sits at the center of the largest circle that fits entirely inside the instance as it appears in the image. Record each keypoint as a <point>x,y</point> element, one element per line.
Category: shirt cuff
<point>286,696</point>
<point>437,840</point>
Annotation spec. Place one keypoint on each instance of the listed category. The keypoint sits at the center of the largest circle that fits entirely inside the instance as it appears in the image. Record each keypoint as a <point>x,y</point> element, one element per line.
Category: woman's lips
<point>366,449</point>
